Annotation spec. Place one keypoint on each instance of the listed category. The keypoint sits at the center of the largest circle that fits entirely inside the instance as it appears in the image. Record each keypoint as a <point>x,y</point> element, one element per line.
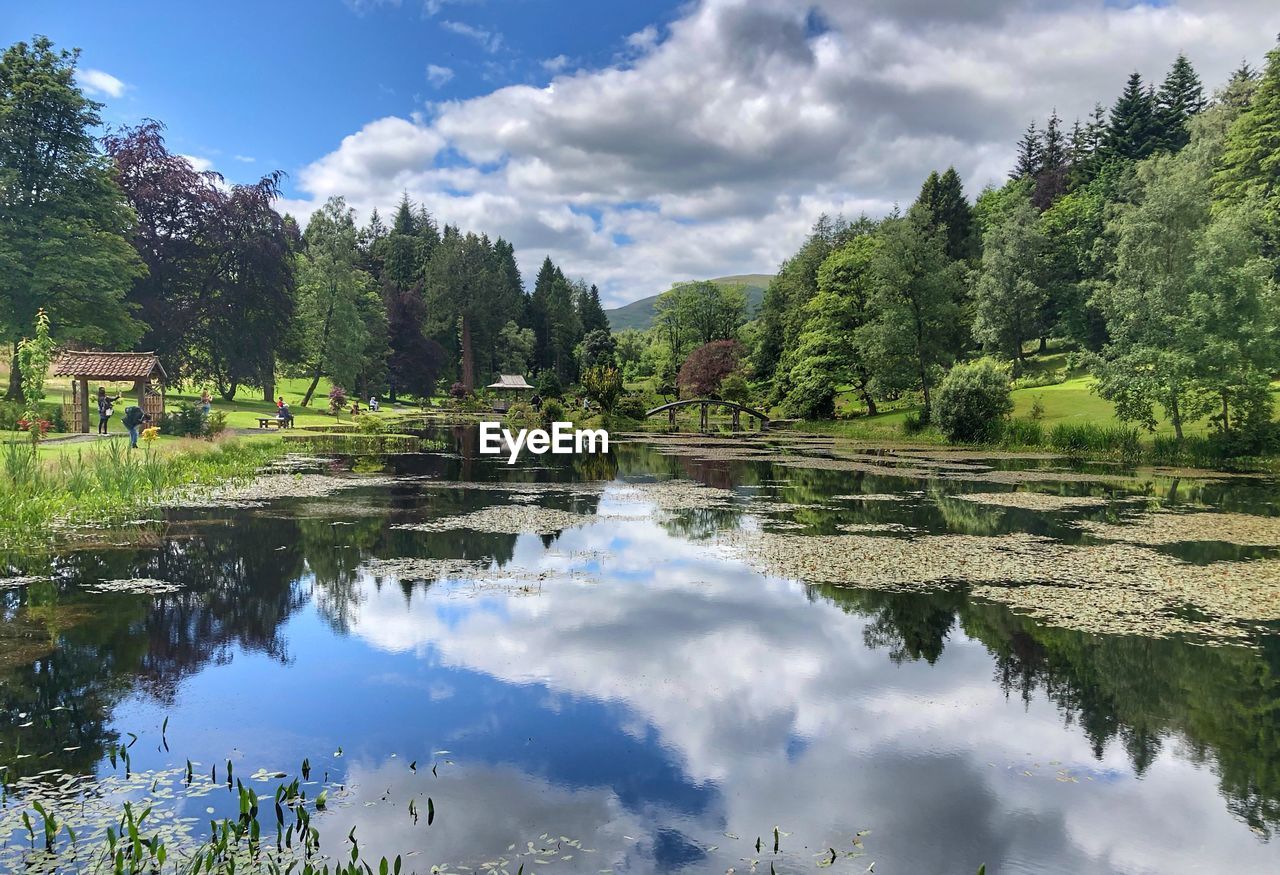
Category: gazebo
<point>514,383</point>
<point>142,368</point>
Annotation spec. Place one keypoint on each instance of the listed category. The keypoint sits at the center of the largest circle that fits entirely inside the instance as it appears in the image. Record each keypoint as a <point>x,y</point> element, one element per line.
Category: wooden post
<point>703,424</point>
<point>84,405</point>
<point>737,419</point>
<point>671,417</point>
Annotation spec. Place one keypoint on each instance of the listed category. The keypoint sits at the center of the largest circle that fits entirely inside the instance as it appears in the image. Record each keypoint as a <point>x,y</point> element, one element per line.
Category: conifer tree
<point>1132,133</point>
<point>1051,181</point>
<point>1180,98</point>
<point>1029,154</point>
<point>1250,163</point>
<point>943,198</point>
<point>591,312</point>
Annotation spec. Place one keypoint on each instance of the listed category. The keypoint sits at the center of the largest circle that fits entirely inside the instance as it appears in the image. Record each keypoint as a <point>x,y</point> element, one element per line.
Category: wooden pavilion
<point>513,383</point>
<point>143,369</point>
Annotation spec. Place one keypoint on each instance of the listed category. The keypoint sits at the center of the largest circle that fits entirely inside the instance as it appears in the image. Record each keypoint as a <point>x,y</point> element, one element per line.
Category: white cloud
<point>201,165</point>
<point>713,145</point>
<point>245,159</point>
<point>99,83</point>
<point>556,64</point>
<point>438,75</point>
<point>488,40</point>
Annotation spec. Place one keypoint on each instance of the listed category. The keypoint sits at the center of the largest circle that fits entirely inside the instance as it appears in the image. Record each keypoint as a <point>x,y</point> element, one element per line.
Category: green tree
<point>1052,179</point>
<point>597,348</point>
<point>943,196</point>
<point>1009,294</point>
<point>1030,155</point>
<point>828,354</point>
<point>516,345</point>
<point>913,329</point>
<point>34,355</point>
<point>591,312</point>
<point>331,294</point>
<point>973,401</point>
<point>1180,98</point>
<point>63,222</point>
<point>1250,163</point>
<point>1132,131</point>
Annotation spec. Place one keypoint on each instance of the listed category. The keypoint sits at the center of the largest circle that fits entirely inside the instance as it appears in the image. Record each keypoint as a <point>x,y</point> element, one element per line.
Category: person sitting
<point>373,403</point>
<point>355,408</point>
<point>133,420</point>
<point>283,415</point>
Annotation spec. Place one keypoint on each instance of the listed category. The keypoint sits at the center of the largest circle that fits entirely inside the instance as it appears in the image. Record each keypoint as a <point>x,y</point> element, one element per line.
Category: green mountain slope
<point>639,314</point>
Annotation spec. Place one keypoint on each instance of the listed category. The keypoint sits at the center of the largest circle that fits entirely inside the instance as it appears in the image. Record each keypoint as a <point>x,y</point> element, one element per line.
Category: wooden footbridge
<point>704,404</point>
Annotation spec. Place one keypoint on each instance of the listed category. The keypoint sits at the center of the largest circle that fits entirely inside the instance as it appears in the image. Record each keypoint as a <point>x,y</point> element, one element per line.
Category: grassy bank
<point>103,483</point>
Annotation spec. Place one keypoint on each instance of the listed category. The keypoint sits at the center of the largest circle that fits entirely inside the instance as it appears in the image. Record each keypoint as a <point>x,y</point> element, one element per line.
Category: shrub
<point>186,421</point>
<point>708,365</point>
<point>1037,408</point>
<point>631,407</point>
<point>215,423</point>
<point>973,401</point>
<point>370,424</point>
<point>552,411</point>
<point>735,387</point>
<point>458,391</point>
<point>522,415</point>
<point>602,385</point>
<point>548,384</point>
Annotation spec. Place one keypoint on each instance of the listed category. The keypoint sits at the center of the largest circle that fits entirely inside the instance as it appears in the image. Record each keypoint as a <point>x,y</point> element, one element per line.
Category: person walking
<point>206,403</point>
<point>106,407</point>
<point>133,420</point>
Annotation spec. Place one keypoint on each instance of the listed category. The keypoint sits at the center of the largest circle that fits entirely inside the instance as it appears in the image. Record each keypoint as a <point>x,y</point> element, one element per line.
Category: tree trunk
<point>269,382</point>
<point>1044,344</point>
<point>1175,415</point>
<point>311,390</point>
<point>15,378</point>
<point>924,385</point>
<point>1226,423</point>
<point>870,402</point>
<point>468,360</point>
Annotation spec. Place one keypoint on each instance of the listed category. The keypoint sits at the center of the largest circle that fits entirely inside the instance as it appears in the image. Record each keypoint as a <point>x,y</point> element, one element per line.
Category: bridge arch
<point>705,404</point>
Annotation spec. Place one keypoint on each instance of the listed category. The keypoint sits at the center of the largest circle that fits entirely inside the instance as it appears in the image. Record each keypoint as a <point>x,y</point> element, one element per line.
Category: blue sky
<point>636,143</point>
<point>282,81</point>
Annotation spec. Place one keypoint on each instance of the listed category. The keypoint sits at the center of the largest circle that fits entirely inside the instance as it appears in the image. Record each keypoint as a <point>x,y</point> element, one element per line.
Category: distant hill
<point>639,314</point>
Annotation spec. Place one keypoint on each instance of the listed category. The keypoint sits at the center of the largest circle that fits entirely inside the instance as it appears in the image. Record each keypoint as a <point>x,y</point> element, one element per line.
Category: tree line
<point>1147,237</point>
<point>124,244</point>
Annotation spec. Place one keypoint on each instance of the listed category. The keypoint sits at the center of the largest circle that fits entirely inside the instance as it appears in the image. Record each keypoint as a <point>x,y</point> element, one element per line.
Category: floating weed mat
<point>872,496</point>
<point>871,528</point>
<point>135,586</point>
<point>1112,587</point>
<point>452,569</point>
<point>1044,501</point>
<point>269,487</point>
<point>20,580</point>
<point>1165,527</point>
<point>506,520</point>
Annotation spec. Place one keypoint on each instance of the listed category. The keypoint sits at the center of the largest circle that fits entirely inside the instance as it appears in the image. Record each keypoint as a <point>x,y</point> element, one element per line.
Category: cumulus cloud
<point>556,64</point>
<point>99,83</point>
<point>710,147</point>
<point>438,75</point>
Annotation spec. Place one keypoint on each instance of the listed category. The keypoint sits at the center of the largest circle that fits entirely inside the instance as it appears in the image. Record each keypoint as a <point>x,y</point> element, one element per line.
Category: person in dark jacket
<point>105,409</point>
<point>133,420</point>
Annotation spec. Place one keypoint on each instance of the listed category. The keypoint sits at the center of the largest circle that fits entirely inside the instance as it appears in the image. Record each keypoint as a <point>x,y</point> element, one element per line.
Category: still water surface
<point>645,692</point>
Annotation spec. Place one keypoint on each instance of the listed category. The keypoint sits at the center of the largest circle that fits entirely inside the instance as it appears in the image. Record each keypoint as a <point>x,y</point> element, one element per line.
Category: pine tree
<point>1180,98</point>
<point>1051,181</point>
<point>1029,154</point>
<point>591,312</point>
<point>1238,92</point>
<point>943,198</point>
<point>1086,150</point>
<point>1132,133</point>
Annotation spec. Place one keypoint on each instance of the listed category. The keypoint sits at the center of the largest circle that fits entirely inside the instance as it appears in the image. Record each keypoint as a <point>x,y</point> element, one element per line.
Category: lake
<point>684,655</point>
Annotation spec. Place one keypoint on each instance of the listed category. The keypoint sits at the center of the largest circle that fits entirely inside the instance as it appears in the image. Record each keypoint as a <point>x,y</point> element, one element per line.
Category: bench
<point>269,421</point>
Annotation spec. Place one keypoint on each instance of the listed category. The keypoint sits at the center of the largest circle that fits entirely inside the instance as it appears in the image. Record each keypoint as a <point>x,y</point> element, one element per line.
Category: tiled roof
<point>107,365</point>
<point>510,381</point>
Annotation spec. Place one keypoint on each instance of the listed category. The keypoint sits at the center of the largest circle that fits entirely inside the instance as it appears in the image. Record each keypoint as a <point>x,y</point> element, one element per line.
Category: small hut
<point>508,389</point>
<point>143,369</point>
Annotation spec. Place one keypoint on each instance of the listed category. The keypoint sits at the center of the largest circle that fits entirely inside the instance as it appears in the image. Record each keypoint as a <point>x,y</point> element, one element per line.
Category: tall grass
<point>107,483</point>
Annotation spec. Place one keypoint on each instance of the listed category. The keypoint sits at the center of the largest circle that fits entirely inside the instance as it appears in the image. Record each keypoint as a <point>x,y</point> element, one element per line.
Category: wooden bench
<point>269,421</point>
